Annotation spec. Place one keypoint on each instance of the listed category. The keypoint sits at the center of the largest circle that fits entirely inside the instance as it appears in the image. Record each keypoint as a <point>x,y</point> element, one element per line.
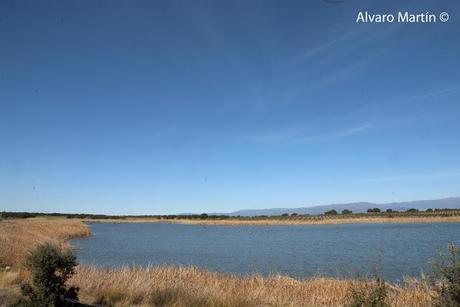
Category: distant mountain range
<point>358,207</point>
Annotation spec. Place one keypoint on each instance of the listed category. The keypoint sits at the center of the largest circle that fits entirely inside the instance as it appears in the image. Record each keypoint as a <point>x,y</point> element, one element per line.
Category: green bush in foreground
<point>375,295</point>
<point>446,276</point>
<point>50,268</point>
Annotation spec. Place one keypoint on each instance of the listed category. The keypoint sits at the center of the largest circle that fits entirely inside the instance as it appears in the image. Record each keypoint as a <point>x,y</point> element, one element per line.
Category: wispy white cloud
<point>318,49</point>
<point>416,97</point>
<point>300,136</point>
<point>318,67</point>
<point>431,94</point>
<point>345,43</point>
<point>379,109</point>
<point>346,132</point>
<point>280,136</point>
<point>411,177</point>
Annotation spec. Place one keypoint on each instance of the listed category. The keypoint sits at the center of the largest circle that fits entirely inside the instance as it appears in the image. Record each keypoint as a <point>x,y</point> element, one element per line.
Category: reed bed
<point>189,286</point>
<point>18,237</point>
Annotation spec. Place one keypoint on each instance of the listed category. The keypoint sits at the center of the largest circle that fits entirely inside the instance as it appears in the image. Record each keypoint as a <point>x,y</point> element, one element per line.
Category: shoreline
<point>297,221</point>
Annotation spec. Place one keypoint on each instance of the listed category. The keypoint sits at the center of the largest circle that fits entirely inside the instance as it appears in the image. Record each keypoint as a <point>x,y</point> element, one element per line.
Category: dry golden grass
<point>175,286</point>
<point>9,287</point>
<point>172,286</point>
<point>18,237</point>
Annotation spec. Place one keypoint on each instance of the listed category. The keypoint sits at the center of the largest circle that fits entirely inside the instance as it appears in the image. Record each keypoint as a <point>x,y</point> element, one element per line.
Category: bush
<point>371,295</point>
<point>50,268</point>
<point>446,278</point>
<point>331,212</point>
<point>346,211</point>
<point>373,210</point>
<point>412,210</point>
<point>204,216</point>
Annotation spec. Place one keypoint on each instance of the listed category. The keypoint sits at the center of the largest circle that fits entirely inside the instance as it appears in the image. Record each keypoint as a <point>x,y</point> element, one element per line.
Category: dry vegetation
<point>9,287</point>
<point>173,286</point>
<point>17,237</point>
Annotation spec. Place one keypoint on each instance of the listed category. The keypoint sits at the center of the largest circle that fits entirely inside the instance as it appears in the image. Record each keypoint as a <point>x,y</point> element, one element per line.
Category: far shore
<point>313,220</point>
<point>330,217</point>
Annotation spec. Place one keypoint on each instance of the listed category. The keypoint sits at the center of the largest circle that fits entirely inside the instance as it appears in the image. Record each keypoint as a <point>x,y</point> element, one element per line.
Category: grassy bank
<point>173,286</point>
<point>18,236</point>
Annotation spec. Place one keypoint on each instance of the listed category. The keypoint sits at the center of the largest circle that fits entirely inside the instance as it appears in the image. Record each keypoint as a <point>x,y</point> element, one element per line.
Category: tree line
<point>205,216</point>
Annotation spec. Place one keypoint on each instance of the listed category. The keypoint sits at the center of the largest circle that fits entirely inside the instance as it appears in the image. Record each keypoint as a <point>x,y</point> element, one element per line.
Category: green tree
<point>331,212</point>
<point>346,211</point>
<point>50,268</point>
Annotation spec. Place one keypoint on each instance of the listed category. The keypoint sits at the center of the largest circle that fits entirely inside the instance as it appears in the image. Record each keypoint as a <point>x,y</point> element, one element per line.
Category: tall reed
<point>18,237</point>
<point>189,286</point>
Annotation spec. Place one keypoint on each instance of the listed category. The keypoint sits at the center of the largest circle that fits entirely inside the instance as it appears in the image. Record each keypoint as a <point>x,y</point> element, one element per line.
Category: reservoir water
<point>299,251</point>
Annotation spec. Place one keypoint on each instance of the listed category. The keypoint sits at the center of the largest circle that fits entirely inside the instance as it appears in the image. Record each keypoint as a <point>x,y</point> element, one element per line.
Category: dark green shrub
<point>331,212</point>
<point>50,268</point>
<point>446,278</point>
<point>371,293</point>
<point>203,216</point>
<point>412,210</point>
<point>375,296</point>
<point>346,211</point>
<point>373,210</point>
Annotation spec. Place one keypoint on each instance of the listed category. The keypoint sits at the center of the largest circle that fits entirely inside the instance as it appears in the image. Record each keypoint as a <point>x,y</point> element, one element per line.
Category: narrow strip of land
<point>316,220</point>
<point>410,216</point>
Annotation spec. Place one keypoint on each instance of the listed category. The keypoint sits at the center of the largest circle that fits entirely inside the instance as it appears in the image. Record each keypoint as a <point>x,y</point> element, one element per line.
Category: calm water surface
<point>298,251</point>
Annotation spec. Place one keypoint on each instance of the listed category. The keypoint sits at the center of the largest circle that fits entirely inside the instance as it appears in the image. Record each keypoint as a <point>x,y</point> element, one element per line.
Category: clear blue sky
<point>151,107</point>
